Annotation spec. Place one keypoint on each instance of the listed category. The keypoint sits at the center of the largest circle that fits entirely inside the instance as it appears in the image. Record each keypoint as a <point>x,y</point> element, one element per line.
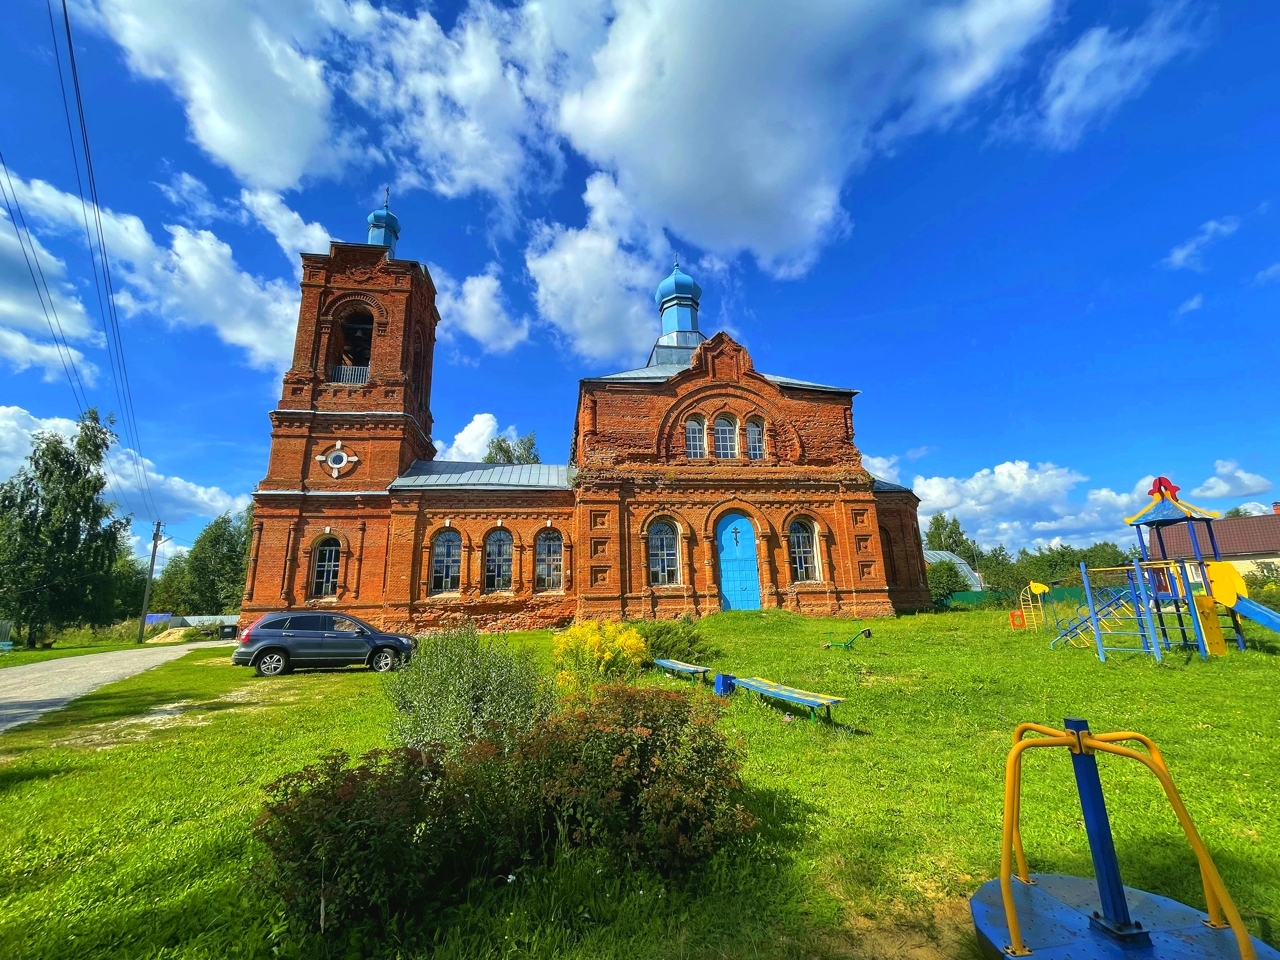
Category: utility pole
<point>146,594</point>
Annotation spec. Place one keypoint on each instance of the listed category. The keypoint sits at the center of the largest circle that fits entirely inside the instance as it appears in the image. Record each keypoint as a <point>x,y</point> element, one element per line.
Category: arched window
<point>726,438</point>
<point>497,561</point>
<point>664,566</point>
<point>890,565</point>
<point>415,370</point>
<point>324,575</point>
<point>804,559</point>
<point>548,570</point>
<point>695,438</point>
<point>446,562</point>
<point>755,440</point>
<point>357,338</point>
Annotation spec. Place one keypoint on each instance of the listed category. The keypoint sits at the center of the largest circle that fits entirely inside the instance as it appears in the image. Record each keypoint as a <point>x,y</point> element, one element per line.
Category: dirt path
<point>34,689</point>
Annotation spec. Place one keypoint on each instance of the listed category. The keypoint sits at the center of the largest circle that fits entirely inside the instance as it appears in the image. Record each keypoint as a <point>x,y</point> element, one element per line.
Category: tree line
<point>65,556</point>
<point>1005,574</point>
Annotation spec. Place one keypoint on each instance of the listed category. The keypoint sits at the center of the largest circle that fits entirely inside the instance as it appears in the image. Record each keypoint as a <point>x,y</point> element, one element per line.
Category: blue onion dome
<point>386,219</point>
<point>679,284</point>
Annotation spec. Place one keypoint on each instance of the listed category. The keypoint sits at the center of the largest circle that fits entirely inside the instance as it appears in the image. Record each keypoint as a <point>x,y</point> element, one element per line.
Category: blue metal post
<point>1115,918</point>
<point>1093,613</point>
<point>1194,611</point>
<point>1146,609</point>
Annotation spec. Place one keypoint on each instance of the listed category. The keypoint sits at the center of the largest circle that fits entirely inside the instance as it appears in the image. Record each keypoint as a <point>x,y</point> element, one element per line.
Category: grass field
<point>76,642</point>
<point>126,817</point>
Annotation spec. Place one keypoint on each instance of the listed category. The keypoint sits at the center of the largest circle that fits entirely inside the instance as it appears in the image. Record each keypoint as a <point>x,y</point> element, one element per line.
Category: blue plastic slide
<point>1258,613</point>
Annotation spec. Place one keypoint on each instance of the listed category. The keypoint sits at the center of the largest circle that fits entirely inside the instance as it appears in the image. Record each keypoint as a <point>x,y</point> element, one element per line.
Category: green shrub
<point>674,640</point>
<point>396,834</point>
<point>641,771</point>
<point>460,686</point>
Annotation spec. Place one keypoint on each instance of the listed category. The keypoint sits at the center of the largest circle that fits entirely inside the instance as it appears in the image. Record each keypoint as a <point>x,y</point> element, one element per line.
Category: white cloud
<point>1018,504</point>
<point>1229,480</point>
<point>1255,509</point>
<point>477,308</point>
<point>190,195</point>
<point>472,442</point>
<point>56,362</point>
<point>595,284</point>
<point>254,90</point>
<point>886,468</point>
<point>293,234</point>
<point>1187,306</point>
<point>176,499</point>
<point>22,313</point>
<point>736,124</point>
<point>194,281</point>
<point>919,453</point>
<point>1269,275</point>
<point>1186,256</point>
<point>1087,83</point>
<point>465,106</point>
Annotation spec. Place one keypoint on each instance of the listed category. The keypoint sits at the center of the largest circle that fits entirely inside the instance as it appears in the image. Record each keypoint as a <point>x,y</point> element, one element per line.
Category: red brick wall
<point>629,448</point>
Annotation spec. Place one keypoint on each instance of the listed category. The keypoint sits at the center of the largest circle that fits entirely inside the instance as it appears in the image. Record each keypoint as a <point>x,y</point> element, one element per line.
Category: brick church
<point>695,483</point>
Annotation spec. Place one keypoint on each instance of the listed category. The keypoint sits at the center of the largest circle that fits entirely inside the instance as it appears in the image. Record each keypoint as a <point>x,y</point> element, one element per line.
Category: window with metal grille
<point>324,577</point>
<point>804,561</point>
<point>548,570</point>
<point>755,440</point>
<point>726,438</point>
<point>664,567</point>
<point>497,561</point>
<point>446,562</point>
<point>695,439</point>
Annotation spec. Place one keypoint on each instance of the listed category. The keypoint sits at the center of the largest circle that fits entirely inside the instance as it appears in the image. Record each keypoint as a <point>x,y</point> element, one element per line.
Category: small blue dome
<point>679,284</point>
<point>385,218</point>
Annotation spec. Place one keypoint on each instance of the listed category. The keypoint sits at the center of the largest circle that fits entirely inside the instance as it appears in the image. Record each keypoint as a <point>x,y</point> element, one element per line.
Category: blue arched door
<point>739,566</point>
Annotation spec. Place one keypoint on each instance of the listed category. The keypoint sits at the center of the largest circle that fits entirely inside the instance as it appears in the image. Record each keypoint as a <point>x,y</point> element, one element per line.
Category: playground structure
<point>1158,604</point>
<point>1057,917</point>
<point>1030,614</point>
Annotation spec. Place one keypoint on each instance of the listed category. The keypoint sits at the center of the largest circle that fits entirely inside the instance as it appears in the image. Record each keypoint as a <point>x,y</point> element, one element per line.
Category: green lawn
<point>125,817</point>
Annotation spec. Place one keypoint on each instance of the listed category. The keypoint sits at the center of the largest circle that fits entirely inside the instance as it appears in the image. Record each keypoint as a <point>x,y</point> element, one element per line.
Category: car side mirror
<point>361,631</point>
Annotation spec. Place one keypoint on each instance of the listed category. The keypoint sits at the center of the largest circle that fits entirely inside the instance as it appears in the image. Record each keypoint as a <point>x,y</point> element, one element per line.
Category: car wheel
<point>273,663</point>
<point>383,659</point>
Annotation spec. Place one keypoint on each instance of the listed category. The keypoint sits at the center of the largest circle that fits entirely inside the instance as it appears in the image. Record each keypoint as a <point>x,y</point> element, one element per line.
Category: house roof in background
<point>1236,536</point>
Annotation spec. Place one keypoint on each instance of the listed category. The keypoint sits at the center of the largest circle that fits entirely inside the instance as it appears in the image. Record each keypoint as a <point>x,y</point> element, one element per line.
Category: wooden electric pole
<point>146,594</point>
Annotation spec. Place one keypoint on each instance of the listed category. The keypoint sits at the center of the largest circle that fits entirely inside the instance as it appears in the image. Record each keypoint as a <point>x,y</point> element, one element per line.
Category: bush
<point>674,640</point>
<point>944,580</point>
<point>594,651</point>
<point>459,687</point>
<point>643,773</point>
<point>397,832</point>
<point>639,771</point>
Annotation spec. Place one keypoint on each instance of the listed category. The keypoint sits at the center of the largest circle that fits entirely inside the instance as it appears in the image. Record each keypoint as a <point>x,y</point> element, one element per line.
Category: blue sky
<point>1041,237</point>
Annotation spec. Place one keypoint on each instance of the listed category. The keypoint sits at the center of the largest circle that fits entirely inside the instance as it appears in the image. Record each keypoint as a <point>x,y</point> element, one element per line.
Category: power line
<point>47,305</point>
<point>106,304</point>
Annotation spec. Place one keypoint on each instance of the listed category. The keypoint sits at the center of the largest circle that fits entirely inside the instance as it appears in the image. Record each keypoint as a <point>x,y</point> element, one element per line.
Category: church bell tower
<point>355,410</point>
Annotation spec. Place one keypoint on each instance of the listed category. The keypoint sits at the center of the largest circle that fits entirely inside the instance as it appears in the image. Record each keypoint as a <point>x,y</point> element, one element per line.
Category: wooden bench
<point>776,691</point>
<point>691,670</point>
<point>865,632</point>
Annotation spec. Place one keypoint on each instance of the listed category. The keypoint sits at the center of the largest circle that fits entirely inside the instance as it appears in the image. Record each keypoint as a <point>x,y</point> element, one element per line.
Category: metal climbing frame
<point>1115,921</point>
<point>1155,608</point>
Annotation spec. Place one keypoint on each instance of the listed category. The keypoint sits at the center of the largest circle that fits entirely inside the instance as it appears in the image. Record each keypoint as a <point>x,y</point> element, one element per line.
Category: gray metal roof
<point>460,475</point>
<point>665,371</point>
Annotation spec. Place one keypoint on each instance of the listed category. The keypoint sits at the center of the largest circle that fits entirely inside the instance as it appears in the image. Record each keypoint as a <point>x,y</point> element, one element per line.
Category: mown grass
<point>126,817</point>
